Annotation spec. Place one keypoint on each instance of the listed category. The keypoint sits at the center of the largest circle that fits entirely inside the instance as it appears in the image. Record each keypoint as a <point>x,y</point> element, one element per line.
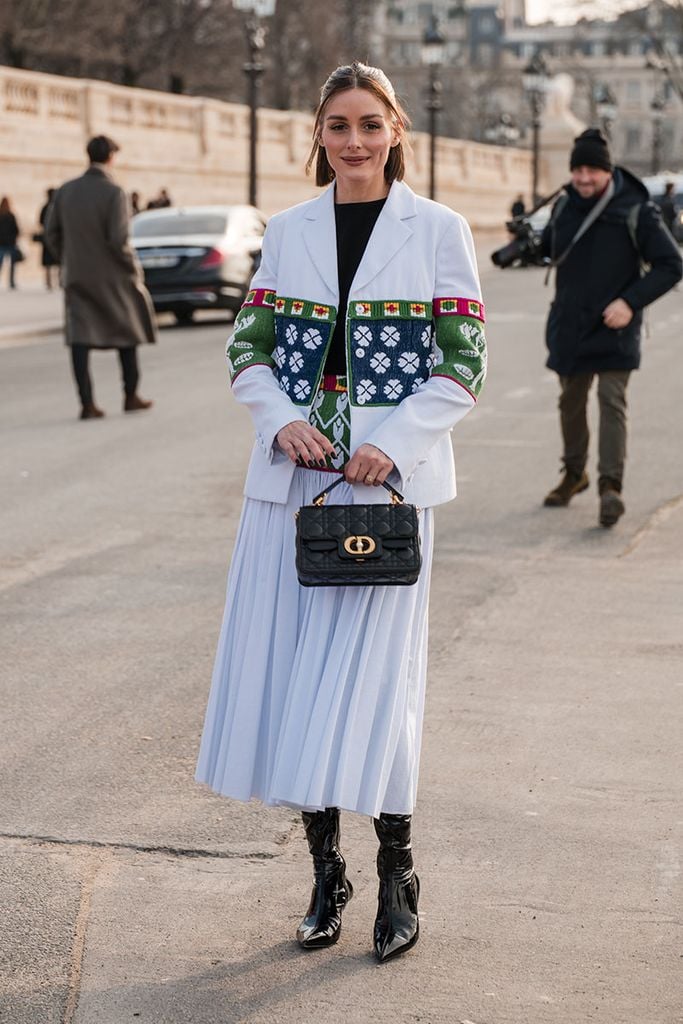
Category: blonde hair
<point>373,80</point>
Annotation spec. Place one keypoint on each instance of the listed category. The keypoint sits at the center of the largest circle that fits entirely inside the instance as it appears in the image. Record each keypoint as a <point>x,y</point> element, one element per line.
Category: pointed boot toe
<point>331,889</point>
<point>397,927</point>
<point>322,925</point>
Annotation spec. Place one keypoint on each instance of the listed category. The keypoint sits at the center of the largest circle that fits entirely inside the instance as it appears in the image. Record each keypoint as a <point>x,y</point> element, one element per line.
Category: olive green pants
<point>612,431</point>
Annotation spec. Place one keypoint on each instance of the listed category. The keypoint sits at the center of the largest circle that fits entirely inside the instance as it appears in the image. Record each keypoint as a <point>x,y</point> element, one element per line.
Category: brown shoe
<point>91,412</point>
<point>611,507</point>
<point>570,484</point>
<point>133,403</point>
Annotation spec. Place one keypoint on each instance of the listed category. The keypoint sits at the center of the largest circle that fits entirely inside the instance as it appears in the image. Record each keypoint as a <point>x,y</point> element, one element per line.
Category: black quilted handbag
<point>357,545</point>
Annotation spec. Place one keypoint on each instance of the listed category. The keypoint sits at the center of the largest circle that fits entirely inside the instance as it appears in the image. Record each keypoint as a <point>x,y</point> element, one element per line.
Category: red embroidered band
<point>459,307</point>
<point>260,297</point>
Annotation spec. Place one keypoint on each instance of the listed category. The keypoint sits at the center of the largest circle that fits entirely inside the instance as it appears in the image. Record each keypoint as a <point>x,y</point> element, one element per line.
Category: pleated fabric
<point>317,694</point>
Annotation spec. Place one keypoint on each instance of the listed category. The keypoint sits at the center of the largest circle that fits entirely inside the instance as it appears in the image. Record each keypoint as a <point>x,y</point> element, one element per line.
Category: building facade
<point>633,64</point>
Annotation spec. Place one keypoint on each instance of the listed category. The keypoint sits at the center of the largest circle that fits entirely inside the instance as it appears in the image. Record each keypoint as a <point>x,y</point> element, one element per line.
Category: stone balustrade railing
<point>197,148</point>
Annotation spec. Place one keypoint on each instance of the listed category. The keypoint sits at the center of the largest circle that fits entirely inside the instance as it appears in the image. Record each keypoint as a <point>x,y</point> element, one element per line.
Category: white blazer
<point>414,307</point>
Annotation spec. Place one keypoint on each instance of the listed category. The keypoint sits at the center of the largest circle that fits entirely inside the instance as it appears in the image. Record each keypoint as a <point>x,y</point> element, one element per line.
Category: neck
<point>360,191</point>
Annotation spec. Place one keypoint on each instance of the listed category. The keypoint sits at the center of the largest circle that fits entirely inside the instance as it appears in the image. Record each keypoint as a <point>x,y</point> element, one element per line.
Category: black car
<point>198,257</point>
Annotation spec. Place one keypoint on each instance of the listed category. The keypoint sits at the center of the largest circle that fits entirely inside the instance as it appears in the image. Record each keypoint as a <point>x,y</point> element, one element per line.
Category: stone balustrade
<point>197,148</point>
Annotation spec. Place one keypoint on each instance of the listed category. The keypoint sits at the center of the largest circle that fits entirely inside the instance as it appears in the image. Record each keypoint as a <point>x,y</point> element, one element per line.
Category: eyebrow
<point>364,117</point>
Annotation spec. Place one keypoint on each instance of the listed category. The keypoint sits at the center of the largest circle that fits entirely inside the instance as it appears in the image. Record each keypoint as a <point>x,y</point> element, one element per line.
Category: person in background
<point>667,204</point>
<point>594,323</point>
<point>9,234</point>
<point>161,201</point>
<point>135,203</point>
<point>518,209</point>
<point>107,304</point>
<point>46,258</point>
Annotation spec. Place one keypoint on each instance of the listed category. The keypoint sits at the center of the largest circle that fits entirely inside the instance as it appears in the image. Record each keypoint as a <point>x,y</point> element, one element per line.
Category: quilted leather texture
<point>322,562</point>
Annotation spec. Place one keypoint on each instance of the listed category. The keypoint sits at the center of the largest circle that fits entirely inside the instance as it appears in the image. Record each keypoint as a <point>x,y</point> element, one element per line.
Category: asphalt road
<point>549,829</point>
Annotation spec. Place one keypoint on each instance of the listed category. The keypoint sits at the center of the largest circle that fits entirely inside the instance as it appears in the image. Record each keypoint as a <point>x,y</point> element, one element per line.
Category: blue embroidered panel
<point>389,358</point>
<point>300,347</point>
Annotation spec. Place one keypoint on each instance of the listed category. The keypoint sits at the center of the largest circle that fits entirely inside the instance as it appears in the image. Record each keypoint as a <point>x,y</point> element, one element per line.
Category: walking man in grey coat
<point>107,304</point>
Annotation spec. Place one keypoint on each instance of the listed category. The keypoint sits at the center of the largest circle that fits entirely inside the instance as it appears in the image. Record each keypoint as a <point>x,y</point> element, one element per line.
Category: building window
<point>634,138</point>
<point>597,49</point>
<point>486,54</point>
<point>633,90</point>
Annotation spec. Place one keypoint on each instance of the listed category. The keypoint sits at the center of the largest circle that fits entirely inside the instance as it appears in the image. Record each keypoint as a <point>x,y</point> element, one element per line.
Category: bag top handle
<point>396,496</point>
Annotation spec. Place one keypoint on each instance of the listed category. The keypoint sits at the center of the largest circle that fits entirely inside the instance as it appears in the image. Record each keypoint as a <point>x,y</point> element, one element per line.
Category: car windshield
<point>179,224</point>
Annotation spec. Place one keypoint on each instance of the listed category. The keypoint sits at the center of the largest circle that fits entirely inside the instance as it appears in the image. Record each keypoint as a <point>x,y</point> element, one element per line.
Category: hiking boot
<point>611,507</point>
<point>570,484</point>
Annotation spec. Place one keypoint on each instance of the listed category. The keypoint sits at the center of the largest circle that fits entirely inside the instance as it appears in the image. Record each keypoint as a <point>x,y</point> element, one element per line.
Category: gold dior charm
<point>359,545</point>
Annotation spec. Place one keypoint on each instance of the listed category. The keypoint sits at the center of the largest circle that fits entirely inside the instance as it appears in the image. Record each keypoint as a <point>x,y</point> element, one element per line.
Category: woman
<point>47,259</point>
<point>9,233</point>
<point>356,361</point>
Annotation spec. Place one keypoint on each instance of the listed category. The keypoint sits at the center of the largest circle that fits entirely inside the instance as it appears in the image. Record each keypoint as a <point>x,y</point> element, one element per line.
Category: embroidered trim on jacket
<point>459,307</point>
<point>460,344</point>
<point>393,345</point>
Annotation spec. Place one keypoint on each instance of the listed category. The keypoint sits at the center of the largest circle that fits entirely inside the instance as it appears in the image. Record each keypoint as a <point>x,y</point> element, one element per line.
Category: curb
<point>25,333</point>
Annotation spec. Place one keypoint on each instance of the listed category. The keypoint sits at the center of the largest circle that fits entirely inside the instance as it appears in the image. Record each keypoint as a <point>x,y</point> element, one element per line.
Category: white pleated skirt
<point>317,694</point>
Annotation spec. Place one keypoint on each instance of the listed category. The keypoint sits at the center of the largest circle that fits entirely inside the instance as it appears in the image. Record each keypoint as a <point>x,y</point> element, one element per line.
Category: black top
<point>354,223</point>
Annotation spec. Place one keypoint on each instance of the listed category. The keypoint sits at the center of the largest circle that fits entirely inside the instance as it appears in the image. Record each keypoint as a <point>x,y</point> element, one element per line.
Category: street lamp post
<point>433,43</point>
<point>256,11</point>
<point>657,107</point>
<point>605,107</point>
<point>534,80</point>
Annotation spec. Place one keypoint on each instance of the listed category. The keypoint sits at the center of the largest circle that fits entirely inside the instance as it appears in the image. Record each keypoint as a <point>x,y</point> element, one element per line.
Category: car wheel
<point>183,317</point>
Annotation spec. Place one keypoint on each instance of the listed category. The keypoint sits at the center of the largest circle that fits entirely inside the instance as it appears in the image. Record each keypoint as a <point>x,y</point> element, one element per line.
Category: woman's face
<point>357,133</point>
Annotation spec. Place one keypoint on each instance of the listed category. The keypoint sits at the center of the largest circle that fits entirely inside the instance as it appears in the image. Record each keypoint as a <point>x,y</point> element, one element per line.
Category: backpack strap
<point>632,226</point>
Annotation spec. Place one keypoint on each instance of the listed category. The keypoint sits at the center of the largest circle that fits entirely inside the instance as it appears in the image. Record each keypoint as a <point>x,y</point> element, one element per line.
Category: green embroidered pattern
<point>461,351</point>
<point>331,415</point>
<point>252,340</point>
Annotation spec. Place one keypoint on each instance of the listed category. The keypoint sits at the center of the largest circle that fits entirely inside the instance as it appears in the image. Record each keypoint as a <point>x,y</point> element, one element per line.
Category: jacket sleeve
<point>250,350</point>
<point>660,251</point>
<point>117,232</point>
<point>459,358</point>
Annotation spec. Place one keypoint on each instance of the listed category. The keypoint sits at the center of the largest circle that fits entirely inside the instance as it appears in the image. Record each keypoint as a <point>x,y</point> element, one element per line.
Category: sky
<point>567,11</point>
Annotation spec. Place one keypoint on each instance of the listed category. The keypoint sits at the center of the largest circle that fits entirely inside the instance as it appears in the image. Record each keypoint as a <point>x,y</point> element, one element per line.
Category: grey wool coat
<point>107,304</point>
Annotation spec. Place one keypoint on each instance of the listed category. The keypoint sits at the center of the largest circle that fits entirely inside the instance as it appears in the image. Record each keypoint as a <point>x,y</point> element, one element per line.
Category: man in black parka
<point>624,261</point>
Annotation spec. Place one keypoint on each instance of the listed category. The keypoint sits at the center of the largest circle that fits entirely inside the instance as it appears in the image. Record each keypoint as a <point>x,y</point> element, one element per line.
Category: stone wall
<point>198,149</point>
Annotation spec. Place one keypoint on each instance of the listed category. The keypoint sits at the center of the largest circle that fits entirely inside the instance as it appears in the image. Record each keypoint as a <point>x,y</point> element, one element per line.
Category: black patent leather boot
<point>397,927</point>
<point>331,888</point>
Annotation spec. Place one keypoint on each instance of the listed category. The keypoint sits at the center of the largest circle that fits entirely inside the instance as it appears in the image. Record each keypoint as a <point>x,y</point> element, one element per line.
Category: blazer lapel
<point>390,234</point>
<point>320,239</point>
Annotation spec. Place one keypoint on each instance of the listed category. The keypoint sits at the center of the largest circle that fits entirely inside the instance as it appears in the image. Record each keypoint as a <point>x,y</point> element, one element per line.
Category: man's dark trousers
<point>612,432</point>
<point>80,361</point>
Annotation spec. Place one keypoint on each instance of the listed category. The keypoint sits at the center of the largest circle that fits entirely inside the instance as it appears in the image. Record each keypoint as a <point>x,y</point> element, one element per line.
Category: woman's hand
<point>368,465</point>
<point>303,444</point>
